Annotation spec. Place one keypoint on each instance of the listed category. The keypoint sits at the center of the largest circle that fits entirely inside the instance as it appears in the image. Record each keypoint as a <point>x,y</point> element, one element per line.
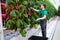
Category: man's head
<point>43,6</point>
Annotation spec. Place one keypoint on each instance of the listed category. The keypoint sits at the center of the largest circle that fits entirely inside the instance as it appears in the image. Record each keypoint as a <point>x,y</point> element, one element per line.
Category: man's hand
<point>34,9</point>
<point>41,18</point>
<point>31,8</point>
<point>37,19</point>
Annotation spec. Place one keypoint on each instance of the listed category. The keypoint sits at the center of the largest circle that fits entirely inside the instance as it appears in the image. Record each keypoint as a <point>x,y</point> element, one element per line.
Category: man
<point>43,13</point>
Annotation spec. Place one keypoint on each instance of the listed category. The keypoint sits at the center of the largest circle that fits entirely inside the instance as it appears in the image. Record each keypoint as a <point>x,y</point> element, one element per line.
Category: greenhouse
<point>23,19</point>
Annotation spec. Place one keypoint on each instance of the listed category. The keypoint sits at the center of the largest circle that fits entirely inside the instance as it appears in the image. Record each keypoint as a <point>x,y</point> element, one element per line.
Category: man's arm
<point>35,10</point>
<point>42,18</point>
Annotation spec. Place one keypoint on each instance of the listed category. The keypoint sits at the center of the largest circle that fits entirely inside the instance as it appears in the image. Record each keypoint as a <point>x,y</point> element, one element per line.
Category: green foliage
<point>59,11</point>
<point>22,7</point>
<point>25,2</point>
<point>35,26</point>
<point>23,15</point>
<point>14,13</point>
<point>10,23</point>
<point>28,21</point>
<point>31,3</point>
<point>19,23</point>
<point>23,33</point>
<point>9,2</point>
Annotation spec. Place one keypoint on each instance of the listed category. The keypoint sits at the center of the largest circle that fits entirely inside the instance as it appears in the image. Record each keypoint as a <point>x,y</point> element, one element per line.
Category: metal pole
<point>1,26</point>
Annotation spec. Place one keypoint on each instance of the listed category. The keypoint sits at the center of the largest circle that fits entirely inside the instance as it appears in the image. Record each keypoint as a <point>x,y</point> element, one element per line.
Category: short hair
<point>44,5</point>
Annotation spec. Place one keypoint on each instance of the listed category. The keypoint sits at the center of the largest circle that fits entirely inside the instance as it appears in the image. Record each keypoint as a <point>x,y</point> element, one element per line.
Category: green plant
<point>59,10</point>
<point>23,32</point>
<point>10,24</point>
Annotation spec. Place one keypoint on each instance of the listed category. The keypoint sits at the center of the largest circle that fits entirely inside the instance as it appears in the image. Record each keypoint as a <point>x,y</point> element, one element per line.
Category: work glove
<point>31,8</point>
<point>37,19</point>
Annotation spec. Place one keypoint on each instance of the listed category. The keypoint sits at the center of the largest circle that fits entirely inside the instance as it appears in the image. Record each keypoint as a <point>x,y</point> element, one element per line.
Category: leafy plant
<point>25,2</point>
<point>14,13</point>
<point>10,23</point>
<point>19,23</point>
<point>23,32</point>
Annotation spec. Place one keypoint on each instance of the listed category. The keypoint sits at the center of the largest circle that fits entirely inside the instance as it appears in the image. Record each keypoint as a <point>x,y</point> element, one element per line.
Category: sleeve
<point>45,12</point>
